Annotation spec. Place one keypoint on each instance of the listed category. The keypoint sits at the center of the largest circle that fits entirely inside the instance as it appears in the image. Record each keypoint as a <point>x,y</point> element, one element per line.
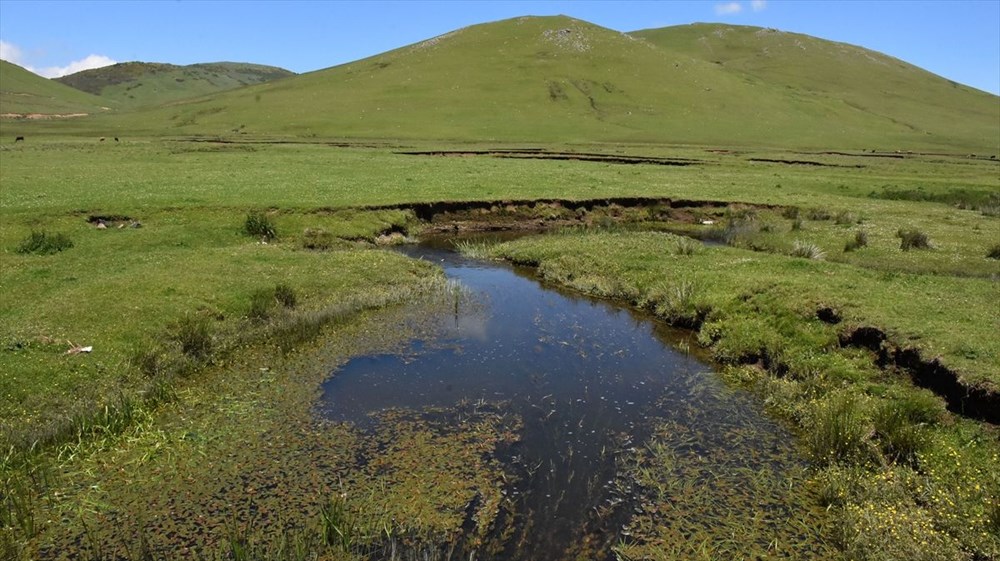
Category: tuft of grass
<point>685,246</point>
<point>860,240</point>
<point>149,360</point>
<point>901,436</point>
<point>317,239</point>
<point>839,431</point>
<point>680,303</point>
<point>791,212</point>
<point>18,505</point>
<point>285,295</point>
<point>476,249</point>
<point>43,243</point>
<point>797,224</point>
<point>339,526</point>
<point>261,304</point>
<point>737,230</point>
<point>818,214</point>
<point>902,423</point>
<point>845,218</point>
<point>263,301</point>
<point>807,251</point>
<point>259,225</point>
<point>194,334</point>
<point>994,252</point>
<point>913,239</point>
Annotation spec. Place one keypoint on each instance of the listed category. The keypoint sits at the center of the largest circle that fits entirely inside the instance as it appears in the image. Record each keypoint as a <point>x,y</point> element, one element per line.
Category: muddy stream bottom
<point>603,395</point>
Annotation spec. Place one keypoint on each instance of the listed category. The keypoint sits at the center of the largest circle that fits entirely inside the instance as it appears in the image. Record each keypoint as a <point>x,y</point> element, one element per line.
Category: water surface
<point>587,377</point>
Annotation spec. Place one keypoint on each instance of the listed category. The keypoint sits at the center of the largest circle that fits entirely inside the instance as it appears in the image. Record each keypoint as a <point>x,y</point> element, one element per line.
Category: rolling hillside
<point>558,79</point>
<point>26,93</point>
<point>888,90</point>
<point>136,84</point>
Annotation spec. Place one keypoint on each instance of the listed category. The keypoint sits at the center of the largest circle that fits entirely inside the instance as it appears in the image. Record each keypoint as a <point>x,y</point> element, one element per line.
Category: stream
<point>588,377</point>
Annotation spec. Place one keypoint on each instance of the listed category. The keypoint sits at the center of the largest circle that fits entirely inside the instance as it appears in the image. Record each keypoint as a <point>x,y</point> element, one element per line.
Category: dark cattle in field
<point>116,139</point>
<point>102,139</point>
<point>19,139</point>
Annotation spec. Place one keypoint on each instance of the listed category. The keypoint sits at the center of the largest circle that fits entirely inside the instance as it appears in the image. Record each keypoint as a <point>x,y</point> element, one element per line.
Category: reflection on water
<point>587,377</point>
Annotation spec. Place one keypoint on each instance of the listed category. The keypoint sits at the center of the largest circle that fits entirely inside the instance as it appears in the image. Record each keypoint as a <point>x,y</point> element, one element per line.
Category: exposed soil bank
<point>539,154</point>
<point>969,401</point>
<point>539,214</point>
<point>802,163</point>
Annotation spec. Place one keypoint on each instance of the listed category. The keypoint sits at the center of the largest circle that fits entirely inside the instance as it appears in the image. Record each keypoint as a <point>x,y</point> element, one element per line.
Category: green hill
<point>136,84</point>
<point>26,93</point>
<point>891,92</point>
<point>558,79</point>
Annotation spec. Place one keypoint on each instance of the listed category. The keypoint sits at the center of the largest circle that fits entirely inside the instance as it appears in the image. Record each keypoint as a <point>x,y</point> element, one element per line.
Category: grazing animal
<point>102,139</point>
<point>116,139</point>
<point>19,139</point>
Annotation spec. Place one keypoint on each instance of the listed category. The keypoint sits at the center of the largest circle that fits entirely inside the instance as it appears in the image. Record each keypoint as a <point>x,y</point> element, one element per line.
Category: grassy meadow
<point>209,341</point>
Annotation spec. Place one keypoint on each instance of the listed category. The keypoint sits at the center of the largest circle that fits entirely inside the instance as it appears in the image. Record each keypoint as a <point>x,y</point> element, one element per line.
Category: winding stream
<point>588,378</point>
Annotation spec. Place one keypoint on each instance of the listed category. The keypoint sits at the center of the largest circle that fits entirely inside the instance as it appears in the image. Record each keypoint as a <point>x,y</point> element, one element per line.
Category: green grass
<point>199,222</point>
<point>138,416</point>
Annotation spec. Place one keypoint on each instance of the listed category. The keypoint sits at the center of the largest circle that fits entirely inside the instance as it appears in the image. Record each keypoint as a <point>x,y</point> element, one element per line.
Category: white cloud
<point>728,8</point>
<point>86,63</point>
<point>12,53</point>
<point>758,5</point>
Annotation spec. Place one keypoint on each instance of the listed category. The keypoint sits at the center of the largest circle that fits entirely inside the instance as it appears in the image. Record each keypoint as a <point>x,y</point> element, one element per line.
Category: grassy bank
<point>905,477</point>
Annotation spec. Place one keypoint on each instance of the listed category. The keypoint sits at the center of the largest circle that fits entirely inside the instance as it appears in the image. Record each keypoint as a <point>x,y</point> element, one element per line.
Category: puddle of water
<point>588,379</point>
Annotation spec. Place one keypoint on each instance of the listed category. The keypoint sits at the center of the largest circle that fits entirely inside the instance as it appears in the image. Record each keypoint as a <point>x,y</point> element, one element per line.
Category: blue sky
<point>959,40</point>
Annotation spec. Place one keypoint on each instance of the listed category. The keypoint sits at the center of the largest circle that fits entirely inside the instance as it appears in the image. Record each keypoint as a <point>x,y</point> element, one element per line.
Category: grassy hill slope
<point>533,79</point>
<point>23,92</point>
<point>558,79</point>
<point>892,93</point>
<point>135,84</point>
